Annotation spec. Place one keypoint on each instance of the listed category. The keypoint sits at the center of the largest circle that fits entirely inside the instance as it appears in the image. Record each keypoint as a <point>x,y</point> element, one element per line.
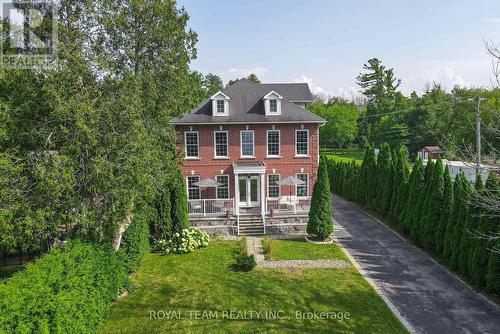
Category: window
<point>223,189</point>
<point>192,143</point>
<point>273,106</point>
<point>247,149</point>
<point>273,143</point>
<point>273,189</point>
<point>301,142</point>
<point>302,189</point>
<point>193,190</point>
<point>220,106</point>
<point>220,138</point>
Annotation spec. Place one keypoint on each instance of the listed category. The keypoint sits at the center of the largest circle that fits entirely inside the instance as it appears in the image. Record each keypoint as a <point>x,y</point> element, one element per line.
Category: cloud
<point>317,90</point>
<point>245,72</point>
<point>491,19</point>
<point>446,76</point>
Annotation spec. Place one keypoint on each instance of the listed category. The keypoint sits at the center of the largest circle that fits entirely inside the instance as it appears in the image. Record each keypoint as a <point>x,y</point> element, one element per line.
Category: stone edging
<point>304,264</point>
<point>377,289</point>
<point>320,242</point>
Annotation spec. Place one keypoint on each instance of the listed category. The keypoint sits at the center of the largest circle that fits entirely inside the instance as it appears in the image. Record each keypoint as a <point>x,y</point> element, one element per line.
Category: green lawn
<point>344,155</point>
<point>204,281</point>
<point>300,249</point>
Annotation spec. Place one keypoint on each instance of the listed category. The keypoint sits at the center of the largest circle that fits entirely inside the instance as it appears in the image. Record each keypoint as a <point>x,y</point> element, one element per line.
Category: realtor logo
<point>29,34</point>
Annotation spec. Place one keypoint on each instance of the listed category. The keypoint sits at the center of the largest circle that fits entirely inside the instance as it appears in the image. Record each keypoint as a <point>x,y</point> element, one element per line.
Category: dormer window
<point>220,104</point>
<point>272,103</point>
<point>273,106</point>
<point>220,107</point>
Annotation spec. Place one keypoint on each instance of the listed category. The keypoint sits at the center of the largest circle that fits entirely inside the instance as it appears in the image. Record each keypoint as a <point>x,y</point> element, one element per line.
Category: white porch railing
<point>288,204</point>
<point>210,207</point>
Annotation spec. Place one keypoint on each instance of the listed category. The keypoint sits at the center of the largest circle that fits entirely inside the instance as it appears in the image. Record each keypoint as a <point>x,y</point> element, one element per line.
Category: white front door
<point>249,187</point>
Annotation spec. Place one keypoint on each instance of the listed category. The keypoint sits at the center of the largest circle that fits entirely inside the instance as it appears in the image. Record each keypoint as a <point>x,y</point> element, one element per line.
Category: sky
<point>326,43</point>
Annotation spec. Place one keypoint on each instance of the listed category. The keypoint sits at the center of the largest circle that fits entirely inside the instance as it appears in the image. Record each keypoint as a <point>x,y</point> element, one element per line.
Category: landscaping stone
<point>304,264</point>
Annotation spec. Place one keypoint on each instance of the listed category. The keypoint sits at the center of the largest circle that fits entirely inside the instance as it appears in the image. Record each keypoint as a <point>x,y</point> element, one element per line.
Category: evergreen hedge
<point>135,244</point>
<point>68,290</point>
<point>320,221</point>
<point>436,213</point>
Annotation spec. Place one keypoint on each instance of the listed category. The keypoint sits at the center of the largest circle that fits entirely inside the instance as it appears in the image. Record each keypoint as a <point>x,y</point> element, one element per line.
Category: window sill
<point>273,157</point>
<point>221,158</point>
<point>246,157</point>
<point>302,156</point>
<point>192,158</point>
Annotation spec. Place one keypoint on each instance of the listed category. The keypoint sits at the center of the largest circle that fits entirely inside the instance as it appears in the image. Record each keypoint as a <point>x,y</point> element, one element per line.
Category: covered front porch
<point>250,197</point>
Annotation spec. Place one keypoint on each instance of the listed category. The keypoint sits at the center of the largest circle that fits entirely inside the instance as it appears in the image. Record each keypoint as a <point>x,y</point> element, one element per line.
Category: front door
<point>249,190</point>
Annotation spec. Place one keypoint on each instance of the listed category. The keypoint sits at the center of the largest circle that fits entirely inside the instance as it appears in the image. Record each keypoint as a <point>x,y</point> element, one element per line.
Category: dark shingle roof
<point>292,91</point>
<point>433,149</point>
<point>246,106</point>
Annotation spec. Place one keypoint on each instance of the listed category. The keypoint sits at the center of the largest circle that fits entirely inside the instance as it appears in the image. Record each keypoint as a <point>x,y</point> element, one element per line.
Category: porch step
<point>251,225</point>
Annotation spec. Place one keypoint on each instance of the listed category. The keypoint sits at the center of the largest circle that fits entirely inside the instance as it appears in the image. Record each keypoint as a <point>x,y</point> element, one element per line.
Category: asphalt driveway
<point>428,296</point>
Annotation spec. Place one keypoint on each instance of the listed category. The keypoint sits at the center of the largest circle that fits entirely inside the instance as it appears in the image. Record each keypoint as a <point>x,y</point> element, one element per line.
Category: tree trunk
<point>117,239</point>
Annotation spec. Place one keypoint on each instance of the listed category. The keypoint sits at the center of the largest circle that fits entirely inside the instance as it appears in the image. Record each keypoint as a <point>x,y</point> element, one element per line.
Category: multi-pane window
<point>302,189</point>
<point>223,187</point>
<point>221,144</point>
<point>302,142</point>
<point>273,189</point>
<point>247,147</point>
<point>273,142</point>
<point>193,190</point>
<point>192,143</point>
<point>220,106</point>
<point>273,106</point>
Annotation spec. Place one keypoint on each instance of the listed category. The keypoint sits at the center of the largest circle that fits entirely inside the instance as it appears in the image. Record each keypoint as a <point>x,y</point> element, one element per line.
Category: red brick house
<point>246,138</point>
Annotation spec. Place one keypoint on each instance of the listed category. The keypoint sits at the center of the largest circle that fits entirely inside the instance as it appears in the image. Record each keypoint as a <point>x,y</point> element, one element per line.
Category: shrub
<point>161,224</point>
<point>68,290</point>
<point>242,244</point>
<point>186,241</point>
<point>178,202</point>
<point>135,244</point>
<point>267,246</point>
<point>320,215</point>
<point>245,262</point>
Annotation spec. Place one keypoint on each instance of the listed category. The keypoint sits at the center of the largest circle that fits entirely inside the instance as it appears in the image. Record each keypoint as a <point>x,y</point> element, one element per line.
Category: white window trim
<point>308,143</point>
<point>220,96</point>
<point>187,187</point>
<point>272,95</point>
<point>307,185</point>
<point>228,186</point>
<point>241,144</point>
<point>215,146</point>
<point>279,188</point>
<point>197,144</point>
<point>267,144</point>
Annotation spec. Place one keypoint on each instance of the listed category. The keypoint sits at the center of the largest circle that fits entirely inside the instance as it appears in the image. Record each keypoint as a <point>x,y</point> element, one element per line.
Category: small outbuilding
<point>432,152</point>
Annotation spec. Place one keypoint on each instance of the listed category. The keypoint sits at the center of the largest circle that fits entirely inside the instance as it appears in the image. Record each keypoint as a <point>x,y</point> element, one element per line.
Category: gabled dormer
<point>272,103</point>
<point>220,104</point>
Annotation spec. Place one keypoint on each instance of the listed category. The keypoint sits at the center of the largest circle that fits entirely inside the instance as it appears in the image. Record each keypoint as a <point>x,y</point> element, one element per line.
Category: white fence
<point>288,204</point>
<point>210,207</point>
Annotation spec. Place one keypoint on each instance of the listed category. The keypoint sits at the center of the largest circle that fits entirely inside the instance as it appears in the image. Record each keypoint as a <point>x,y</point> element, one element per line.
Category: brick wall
<point>207,166</point>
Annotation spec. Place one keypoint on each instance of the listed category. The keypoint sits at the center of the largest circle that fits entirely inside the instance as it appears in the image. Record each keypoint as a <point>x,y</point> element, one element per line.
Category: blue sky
<point>326,43</point>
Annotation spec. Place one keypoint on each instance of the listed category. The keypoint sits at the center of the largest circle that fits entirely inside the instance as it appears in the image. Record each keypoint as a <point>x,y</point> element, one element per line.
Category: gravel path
<point>304,264</point>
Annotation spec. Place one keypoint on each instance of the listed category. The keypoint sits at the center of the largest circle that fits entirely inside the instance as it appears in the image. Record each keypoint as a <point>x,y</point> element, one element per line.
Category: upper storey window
<point>272,103</point>
<point>220,104</point>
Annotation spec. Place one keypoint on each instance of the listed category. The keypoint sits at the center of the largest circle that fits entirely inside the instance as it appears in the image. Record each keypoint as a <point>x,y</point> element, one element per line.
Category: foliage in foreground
<point>320,221</point>
<point>187,241</point>
<point>206,280</point>
<point>437,215</point>
<point>69,290</point>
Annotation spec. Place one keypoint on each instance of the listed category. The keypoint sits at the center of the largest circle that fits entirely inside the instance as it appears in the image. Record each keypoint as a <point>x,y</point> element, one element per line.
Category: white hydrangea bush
<point>186,241</point>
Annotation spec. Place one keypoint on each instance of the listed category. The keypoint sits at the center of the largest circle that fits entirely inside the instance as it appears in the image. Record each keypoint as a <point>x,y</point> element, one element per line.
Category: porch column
<point>236,195</point>
<point>262,195</point>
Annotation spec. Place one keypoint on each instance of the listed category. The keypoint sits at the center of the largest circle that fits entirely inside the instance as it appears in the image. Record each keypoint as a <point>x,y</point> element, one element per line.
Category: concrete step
<point>251,223</point>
